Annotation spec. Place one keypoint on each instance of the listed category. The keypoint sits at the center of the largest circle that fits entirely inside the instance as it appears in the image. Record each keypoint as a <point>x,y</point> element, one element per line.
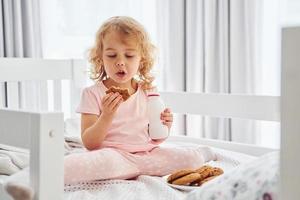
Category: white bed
<point>43,132</point>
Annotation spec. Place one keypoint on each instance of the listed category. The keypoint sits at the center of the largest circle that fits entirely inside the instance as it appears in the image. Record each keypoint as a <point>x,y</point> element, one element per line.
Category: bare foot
<point>19,191</point>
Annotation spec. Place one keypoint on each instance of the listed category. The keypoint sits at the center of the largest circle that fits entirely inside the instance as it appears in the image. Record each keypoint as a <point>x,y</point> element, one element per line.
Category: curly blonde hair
<point>132,30</point>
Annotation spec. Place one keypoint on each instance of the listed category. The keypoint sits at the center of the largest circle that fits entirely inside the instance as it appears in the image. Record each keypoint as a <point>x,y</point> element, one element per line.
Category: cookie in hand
<point>124,92</point>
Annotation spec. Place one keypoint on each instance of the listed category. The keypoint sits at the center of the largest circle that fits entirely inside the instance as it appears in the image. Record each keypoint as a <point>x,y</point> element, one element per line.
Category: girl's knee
<point>196,156</point>
<point>207,153</point>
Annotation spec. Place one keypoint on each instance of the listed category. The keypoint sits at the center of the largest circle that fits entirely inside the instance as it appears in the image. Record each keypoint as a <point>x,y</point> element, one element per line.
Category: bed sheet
<point>145,187</point>
<point>148,187</point>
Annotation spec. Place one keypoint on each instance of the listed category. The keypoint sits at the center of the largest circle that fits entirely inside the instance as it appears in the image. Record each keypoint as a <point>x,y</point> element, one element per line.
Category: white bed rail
<point>22,69</point>
<point>224,105</point>
<point>220,105</point>
<point>248,149</point>
<point>58,83</point>
<point>42,133</point>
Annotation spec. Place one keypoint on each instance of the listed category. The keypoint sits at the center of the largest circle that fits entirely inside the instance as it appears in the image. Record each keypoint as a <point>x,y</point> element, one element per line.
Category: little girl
<point>116,131</point>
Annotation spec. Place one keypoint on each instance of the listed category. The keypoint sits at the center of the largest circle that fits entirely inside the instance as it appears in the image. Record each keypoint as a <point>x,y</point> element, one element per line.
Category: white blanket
<point>12,160</point>
<point>144,187</point>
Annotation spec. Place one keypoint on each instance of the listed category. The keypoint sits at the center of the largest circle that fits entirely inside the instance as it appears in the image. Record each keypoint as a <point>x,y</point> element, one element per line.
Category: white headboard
<point>55,82</point>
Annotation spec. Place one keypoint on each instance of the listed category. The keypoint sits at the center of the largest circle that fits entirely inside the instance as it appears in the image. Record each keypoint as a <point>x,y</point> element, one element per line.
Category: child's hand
<point>110,103</point>
<point>167,117</point>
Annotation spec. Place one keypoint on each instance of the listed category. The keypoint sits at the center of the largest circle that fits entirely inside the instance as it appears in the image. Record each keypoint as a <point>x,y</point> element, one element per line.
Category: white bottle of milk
<point>157,130</point>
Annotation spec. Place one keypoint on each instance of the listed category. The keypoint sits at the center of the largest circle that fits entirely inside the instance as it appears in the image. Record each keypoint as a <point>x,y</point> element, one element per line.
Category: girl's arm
<point>94,128</point>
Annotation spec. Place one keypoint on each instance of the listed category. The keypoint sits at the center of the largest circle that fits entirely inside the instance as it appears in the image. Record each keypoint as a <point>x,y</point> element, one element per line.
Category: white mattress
<point>147,187</point>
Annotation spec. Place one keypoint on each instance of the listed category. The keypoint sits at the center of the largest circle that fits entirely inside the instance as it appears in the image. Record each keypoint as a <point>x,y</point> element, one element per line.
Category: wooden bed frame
<point>42,132</point>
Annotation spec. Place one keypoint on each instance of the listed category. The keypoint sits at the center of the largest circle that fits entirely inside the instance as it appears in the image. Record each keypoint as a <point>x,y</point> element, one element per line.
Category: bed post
<point>79,74</point>
<point>290,114</point>
<point>46,156</point>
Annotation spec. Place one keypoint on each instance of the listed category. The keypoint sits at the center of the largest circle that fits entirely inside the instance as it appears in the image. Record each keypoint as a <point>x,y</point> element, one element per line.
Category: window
<point>69,26</point>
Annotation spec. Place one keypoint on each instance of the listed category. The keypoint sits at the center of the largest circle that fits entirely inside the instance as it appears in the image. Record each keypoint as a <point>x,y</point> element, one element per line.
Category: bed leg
<point>290,114</point>
<point>46,156</point>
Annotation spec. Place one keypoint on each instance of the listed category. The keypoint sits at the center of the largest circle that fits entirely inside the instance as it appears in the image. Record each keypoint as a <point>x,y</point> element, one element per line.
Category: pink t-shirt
<point>129,128</point>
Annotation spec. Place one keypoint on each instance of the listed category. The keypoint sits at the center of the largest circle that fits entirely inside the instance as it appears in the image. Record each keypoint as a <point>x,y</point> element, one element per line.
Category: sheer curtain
<point>225,52</point>
<point>208,61</point>
<point>20,37</point>
<point>171,51</point>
